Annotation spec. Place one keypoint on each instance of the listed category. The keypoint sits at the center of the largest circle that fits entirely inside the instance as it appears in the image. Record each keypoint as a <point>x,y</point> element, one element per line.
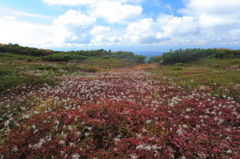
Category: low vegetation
<point>109,107</point>
<point>188,55</point>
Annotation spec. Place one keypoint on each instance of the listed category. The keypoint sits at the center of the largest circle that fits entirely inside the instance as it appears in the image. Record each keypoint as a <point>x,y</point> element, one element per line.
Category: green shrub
<point>105,57</point>
<point>29,59</point>
<point>178,64</point>
<point>177,68</point>
<point>64,57</point>
<point>46,68</point>
<point>5,73</point>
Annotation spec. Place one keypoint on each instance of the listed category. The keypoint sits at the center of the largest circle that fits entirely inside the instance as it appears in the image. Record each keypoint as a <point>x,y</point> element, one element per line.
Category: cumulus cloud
<point>216,14</point>
<point>166,27</point>
<point>7,17</point>
<point>73,27</point>
<point>218,20</point>
<point>86,2</point>
<point>202,22</point>
<point>11,12</point>
<point>69,2</point>
<point>98,30</point>
<point>212,7</point>
<point>24,33</point>
<point>143,31</point>
<point>115,12</point>
<point>99,35</point>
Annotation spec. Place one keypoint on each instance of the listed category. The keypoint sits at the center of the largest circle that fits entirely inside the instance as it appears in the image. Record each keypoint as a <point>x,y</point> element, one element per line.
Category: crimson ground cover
<point>123,113</point>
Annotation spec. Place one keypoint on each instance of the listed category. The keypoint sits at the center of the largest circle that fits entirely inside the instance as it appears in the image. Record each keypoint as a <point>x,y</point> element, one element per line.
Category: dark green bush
<point>178,64</point>
<point>29,59</point>
<point>105,57</point>
<point>46,68</point>
<point>177,68</point>
<point>183,56</point>
<point>63,57</point>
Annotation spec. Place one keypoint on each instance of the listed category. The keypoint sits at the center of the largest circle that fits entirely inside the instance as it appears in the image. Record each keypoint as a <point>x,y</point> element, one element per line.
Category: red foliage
<point>122,115</point>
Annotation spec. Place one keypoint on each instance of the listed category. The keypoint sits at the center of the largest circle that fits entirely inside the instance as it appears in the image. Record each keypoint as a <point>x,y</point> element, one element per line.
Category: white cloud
<point>69,2</point>
<point>24,33</point>
<point>141,32</point>
<point>73,27</point>
<point>73,17</point>
<point>86,2</point>
<point>7,17</point>
<point>218,21</point>
<point>115,12</point>
<point>99,30</point>
<point>178,27</point>
<point>166,27</point>
<point>212,7</point>
<point>203,22</point>
<point>214,14</point>
<point>17,13</point>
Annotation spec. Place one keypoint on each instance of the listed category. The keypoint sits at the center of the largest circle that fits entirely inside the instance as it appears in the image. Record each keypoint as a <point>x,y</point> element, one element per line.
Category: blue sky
<point>131,25</point>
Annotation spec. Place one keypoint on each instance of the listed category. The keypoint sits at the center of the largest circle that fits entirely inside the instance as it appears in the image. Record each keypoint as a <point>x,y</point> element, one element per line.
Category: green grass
<point>108,63</point>
<point>222,76</point>
<point>16,57</point>
<point>16,71</point>
<point>207,72</point>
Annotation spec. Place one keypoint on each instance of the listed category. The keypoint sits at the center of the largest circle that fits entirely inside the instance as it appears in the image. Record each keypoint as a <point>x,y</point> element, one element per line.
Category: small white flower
<point>61,142</point>
<point>184,126</point>
<point>229,151</point>
<point>76,118</point>
<point>139,136</point>
<point>75,156</point>
<point>35,112</point>
<point>30,146</point>
<point>35,131</point>
<point>229,138</point>
<point>148,147</point>
<point>78,133</point>
<point>148,121</point>
<point>34,126</point>
<point>140,147</point>
<point>72,144</point>
<point>116,139</point>
<point>87,134</point>
<point>15,149</point>
<point>69,127</point>
<point>144,130</point>
<point>48,138</point>
<point>155,147</point>
<point>25,116</point>
<point>133,156</point>
<point>188,109</point>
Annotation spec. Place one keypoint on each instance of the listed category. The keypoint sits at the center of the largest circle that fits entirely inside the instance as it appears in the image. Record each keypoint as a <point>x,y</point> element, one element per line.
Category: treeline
<point>80,55</point>
<point>15,48</point>
<point>76,55</point>
<point>83,55</point>
<point>129,56</point>
<point>183,56</point>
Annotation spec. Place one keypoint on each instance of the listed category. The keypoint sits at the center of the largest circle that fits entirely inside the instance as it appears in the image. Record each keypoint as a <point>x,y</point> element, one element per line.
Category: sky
<point>129,25</point>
